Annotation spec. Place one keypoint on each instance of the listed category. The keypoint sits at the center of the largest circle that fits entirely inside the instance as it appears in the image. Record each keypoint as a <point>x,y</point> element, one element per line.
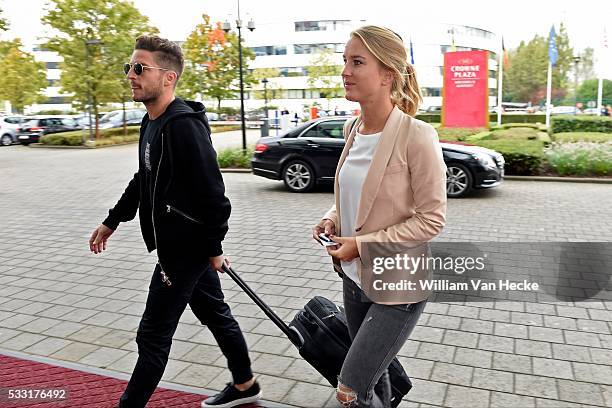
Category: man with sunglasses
<point>180,197</point>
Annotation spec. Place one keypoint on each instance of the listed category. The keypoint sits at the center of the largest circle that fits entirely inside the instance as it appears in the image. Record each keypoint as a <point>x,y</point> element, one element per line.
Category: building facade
<point>290,47</point>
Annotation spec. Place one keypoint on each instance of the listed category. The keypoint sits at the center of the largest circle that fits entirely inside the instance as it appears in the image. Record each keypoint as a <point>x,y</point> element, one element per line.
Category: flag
<point>553,53</point>
<point>411,52</point>
<point>505,52</point>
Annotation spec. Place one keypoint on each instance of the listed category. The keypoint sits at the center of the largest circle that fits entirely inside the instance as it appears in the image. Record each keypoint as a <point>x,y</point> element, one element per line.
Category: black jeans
<point>196,283</point>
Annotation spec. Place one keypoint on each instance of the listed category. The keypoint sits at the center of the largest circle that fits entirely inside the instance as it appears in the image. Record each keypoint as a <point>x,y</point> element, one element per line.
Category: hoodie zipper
<point>165,278</point>
<point>179,212</point>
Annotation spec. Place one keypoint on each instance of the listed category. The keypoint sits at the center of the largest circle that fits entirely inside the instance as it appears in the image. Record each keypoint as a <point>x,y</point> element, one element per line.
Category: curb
<point>42,146</point>
<point>561,179</point>
<point>123,376</point>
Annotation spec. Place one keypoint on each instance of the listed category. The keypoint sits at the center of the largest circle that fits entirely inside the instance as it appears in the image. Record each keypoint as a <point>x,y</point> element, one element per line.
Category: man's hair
<point>167,53</point>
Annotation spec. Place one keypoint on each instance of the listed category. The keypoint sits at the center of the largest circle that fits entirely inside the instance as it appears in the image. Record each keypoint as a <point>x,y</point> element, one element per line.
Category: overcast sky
<point>516,19</point>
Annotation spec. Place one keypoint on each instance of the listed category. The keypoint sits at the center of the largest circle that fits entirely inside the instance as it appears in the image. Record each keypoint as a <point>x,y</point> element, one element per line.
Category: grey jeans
<point>377,332</point>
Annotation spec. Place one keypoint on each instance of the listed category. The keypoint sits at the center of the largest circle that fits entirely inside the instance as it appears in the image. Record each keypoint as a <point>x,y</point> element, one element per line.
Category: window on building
<point>52,65</point>
<point>431,91</point>
<point>58,99</point>
<point>310,94</point>
<point>292,71</point>
<point>323,25</point>
<point>269,50</point>
<point>317,48</point>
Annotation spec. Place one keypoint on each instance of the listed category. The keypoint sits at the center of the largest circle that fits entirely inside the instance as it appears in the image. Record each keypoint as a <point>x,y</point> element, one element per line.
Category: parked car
<point>309,154</point>
<point>114,119</point>
<point>212,116</point>
<point>32,130</point>
<point>564,110</point>
<point>83,120</point>
<point>9,127</point>
<point>590,111</point>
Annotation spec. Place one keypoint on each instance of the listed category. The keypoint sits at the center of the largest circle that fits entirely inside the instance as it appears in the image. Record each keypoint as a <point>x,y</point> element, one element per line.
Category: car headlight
<point>485,160</point>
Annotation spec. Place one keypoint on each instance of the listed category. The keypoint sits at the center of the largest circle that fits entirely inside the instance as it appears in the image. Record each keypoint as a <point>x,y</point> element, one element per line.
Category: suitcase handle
<point>292,334</point>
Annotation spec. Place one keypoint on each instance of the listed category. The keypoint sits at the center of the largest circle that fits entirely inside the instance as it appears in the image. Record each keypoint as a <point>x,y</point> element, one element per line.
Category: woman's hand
<point>347,250</point>
<point>324,226</point>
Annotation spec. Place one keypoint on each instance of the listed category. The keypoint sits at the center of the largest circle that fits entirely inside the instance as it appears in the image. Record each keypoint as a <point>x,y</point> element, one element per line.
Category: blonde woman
<point>390,187</point>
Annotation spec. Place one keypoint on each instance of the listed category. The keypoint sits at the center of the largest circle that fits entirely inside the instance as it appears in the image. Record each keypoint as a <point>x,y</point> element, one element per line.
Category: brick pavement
<point>59,301</point>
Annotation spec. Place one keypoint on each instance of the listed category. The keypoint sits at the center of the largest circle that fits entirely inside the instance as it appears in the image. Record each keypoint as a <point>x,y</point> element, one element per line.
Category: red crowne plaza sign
<point>465,95</point>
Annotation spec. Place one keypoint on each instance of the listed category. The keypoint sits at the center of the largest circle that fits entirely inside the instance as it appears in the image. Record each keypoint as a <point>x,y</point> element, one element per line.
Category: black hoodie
<point>183,210</point>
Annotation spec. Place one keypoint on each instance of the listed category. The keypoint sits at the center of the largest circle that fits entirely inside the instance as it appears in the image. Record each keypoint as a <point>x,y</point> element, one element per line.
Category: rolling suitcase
<point>320,333</point>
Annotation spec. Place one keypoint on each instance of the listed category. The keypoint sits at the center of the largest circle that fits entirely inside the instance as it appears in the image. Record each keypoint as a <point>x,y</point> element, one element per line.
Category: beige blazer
<point>404,193</point>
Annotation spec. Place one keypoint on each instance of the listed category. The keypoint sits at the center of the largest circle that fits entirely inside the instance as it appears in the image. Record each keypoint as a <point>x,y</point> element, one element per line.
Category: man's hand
<point>217,262</point>
<point>325,226</point>
<point>347,250</point>
<point>97,242</point>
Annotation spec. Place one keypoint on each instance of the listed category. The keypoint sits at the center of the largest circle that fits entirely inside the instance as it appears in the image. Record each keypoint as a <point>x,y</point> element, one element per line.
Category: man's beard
<point>150,95</point>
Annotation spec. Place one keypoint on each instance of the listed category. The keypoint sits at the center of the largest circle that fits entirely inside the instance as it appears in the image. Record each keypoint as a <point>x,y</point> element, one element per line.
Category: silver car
<point>9,127</point>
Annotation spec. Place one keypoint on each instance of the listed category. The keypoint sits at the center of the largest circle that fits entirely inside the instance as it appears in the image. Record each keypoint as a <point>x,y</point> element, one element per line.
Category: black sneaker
<point>231,396</point>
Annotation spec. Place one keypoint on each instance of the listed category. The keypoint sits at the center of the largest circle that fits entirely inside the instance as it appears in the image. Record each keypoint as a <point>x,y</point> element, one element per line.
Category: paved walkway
<point>59,301</point>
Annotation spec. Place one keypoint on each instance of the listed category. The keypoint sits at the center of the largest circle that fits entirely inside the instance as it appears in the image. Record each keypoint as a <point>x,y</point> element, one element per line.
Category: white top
<point>351,178</point>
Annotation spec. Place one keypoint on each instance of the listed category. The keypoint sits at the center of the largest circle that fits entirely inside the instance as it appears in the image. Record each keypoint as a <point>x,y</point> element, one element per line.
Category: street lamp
<point>89,99</point>
<point>227,27</point>
<point>576,62</point>
<point>265,84</point>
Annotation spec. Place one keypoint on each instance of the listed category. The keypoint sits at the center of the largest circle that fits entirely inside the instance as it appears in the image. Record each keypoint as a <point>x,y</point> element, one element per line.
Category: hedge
<point>63,139</point>
<point>527,118</point>
<point>581,159</point>
<point>235,157</point>
<point>520,133</point>
<point>457,134</point>
<point>523,157</point>
<point>569,137</point>
<point>106,137</point>
<point>562,124</point>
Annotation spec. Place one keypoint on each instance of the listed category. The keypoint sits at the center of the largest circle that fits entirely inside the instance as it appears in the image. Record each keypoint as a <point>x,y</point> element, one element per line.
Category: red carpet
<point>84,390</point>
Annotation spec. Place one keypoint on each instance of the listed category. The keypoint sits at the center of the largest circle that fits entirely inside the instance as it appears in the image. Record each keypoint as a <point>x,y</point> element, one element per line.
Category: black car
<point>310,152</point>
<point>32,130</point>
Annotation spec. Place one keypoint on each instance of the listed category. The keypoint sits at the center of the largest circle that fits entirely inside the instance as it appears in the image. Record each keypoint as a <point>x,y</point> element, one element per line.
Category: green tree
<point>3,22</point>
<point>94,38</point>
<point>586,67</point>
<point>525,79</point>
<point>23,79</point>
<point>587,91</point>
<point>212,63</point>
<point>273,87</point>
<point>324,75</point>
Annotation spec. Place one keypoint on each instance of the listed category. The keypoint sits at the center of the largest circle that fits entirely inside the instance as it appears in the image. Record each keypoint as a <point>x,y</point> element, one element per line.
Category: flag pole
<point>599,96</point>
<point>602,52</point>
<point>500,72</point>
<point>548,93</point>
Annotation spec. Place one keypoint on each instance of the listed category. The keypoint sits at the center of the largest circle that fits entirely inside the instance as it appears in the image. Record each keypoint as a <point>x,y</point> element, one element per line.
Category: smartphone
<point>327,241</point>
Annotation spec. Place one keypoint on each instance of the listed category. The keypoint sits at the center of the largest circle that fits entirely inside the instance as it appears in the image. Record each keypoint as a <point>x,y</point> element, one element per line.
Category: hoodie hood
<point>180,107</point>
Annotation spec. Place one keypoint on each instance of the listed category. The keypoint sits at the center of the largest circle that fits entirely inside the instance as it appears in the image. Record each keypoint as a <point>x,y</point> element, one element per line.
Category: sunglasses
<point>139,68</point>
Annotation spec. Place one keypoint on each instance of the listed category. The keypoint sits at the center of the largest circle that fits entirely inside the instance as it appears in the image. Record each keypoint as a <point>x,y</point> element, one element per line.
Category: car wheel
<point>298,176</point>
<point>6,140</point>
<point>458,180</point>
